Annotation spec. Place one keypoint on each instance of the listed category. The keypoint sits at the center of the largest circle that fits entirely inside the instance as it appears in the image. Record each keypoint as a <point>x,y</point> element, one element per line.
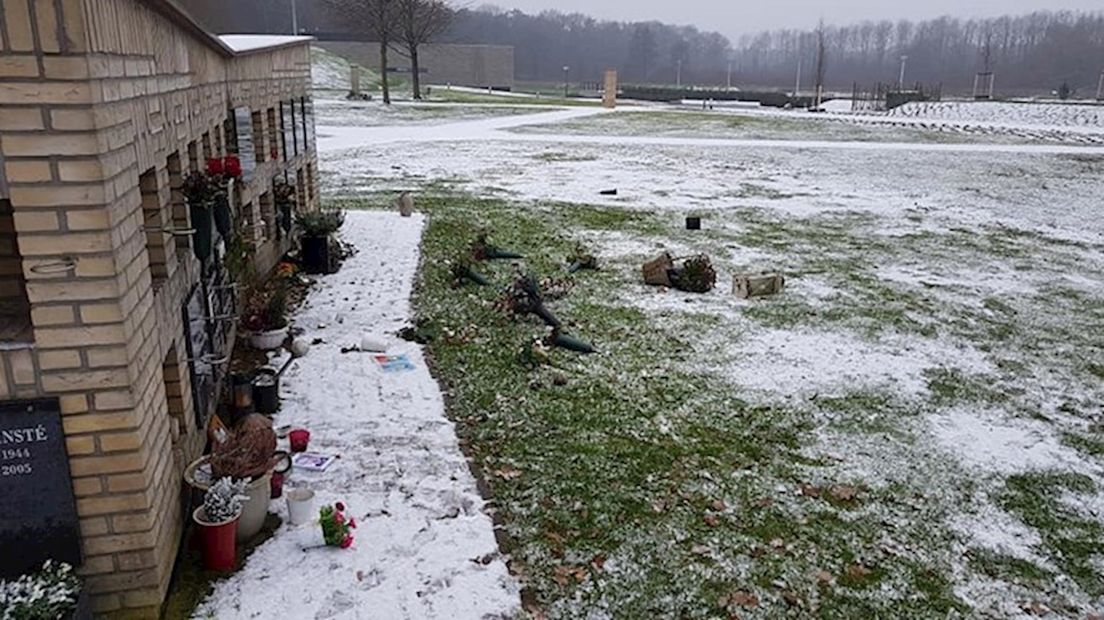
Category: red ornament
<point>232,166</point>
<point>340,507</point>
<point>347,542</point>
<point>214,166</point>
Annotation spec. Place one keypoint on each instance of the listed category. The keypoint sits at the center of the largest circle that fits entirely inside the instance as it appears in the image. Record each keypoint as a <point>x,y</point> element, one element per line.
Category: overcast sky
<point>734,17</point>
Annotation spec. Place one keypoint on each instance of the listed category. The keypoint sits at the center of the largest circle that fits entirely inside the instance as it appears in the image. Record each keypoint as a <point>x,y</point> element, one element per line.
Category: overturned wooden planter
<point>657,271</point>
<point>745,286</point>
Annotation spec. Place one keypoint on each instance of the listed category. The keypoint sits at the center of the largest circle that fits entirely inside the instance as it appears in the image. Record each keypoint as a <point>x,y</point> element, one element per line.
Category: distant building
<point>479,66</point>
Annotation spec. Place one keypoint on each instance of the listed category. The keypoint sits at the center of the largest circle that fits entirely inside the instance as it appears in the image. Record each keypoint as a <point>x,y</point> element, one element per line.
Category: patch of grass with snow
<point>648,485</point>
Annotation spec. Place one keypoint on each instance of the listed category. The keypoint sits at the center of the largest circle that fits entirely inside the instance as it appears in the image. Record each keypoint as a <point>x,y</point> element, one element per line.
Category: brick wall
<point>96,95</point>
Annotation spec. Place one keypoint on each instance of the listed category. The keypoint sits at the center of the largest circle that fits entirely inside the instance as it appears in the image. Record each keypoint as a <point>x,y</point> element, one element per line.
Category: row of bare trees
<point>1029,53</point>
<point>399,25</point>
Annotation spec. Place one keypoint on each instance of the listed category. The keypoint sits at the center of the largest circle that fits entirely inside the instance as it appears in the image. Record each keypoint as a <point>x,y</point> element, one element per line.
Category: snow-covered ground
<point>961,234</point>
<point>424,546</point>
<point>1031,114</point>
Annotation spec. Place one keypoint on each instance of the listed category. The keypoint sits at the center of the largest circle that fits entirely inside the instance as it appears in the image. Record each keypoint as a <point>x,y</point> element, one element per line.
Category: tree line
<point>1033,52</point>
<point>1037,51</point>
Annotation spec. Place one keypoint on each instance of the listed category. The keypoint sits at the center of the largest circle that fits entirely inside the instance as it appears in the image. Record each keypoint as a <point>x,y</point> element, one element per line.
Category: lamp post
<point>728,79</point>
<point>566,70</point>
<point>294,19</point>
<point>678,74</point>
<point>901,80</point>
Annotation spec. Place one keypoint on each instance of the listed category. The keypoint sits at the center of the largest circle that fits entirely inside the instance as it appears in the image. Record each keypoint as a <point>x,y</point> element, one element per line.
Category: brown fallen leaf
<point>824,578</point>
<point>745,599</point>
<point>562,575</point>
<point>719,505</point>
<point>810,490</point>
<point>858,571</point>
<point>507,473</point>
<point>598,561</point>
<point>843,492</point>
<point>711,520</point>
<point>766,502</point>
<point>659,506</point>
<point>777,543</point>
<point>791,598</point>
<point>699,550</point>
<point>1035,608</point>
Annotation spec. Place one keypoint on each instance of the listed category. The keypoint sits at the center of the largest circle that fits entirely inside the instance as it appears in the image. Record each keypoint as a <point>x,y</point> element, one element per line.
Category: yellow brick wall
<point>94,94</point>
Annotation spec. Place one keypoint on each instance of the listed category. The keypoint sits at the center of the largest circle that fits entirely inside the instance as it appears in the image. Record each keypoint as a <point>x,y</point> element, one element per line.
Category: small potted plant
<point>221,174</point>
<point>268,324</point>
<point>217,519</point>
<point>52,592</point>
<point>200,195</point>
<point>284,198</point>
<point>336,527</point>
<point>318,227</point>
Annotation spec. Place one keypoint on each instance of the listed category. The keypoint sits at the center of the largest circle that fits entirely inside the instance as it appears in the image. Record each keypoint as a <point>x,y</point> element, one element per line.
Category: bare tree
<point>378,18</point>
<point>419,22</point>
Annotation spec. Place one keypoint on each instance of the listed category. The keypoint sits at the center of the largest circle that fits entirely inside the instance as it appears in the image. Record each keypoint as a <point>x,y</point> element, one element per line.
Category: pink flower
<point>347,542</point>
<point>339,518</point>
<point>214,166</point>
<point>232,166</point>
<point>352,523</point>
<point>340,507</point>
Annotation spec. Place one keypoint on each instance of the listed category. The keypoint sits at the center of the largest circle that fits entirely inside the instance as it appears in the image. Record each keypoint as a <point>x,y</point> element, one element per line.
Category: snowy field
<point>1033,114</point>
<point>919,409</point>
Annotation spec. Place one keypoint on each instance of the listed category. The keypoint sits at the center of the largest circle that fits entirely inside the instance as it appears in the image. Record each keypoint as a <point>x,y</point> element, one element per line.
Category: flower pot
<point>224,219</point>
<point>255,508</point>
<point>266,390</point>
<point>217,540</point>
<point>268,340</point>
<point>299,439</point>
<point>300,506</point>
<point>203,238</point>
<point>317,255</point>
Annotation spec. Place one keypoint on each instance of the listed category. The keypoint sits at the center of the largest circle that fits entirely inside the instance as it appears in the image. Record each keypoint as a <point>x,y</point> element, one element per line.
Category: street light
<point>566,70</point>
<point>678,74</point>
<point>901,80</point>
<point>294,19</point>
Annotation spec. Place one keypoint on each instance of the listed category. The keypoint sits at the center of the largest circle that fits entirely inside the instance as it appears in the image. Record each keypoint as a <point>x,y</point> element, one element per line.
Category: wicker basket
<point>656,270</point>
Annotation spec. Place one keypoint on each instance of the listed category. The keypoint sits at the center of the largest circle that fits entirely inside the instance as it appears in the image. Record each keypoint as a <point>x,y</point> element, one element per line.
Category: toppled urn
<point>462,270</point>
<point>482,249</point>
<point>524,297</point>
<point>694,275</point>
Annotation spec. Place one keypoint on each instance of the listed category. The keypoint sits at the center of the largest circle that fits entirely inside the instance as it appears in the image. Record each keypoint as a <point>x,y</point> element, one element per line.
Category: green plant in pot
<point>268,323</point>
<point>696,275</point>
<point>317,228</point>
<point>200,196</point>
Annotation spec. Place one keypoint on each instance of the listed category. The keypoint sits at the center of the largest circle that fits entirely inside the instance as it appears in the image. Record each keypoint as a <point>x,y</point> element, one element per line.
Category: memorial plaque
<point>38,515</point>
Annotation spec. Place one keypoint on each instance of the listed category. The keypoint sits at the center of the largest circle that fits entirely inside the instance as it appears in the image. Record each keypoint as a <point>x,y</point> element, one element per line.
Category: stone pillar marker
<point>609,93</point>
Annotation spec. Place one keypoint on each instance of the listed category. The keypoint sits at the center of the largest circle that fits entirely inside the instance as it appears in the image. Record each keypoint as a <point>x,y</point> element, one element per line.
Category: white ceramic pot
<point>267,341</point>
<point>255,509</point>
<point>300,506</point>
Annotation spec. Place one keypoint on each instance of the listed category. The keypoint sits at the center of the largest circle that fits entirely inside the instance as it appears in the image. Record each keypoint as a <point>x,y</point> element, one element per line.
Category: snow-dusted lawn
<point>912,429</point>
<point>424,545</point>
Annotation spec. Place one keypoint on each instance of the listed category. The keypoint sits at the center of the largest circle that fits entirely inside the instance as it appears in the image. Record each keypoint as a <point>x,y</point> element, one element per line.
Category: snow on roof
<point>253,42</point>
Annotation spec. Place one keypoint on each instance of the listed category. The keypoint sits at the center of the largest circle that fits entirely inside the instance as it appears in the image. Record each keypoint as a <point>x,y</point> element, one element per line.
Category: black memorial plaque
<point>38,515</point>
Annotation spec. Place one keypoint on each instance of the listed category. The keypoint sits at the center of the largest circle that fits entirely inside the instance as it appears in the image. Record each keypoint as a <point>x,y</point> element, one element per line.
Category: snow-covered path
<point>424,547</point>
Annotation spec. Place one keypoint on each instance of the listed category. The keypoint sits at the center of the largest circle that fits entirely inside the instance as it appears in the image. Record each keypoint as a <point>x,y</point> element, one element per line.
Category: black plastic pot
<point>224,219</point>
<point>243,400</point>
<point>83,610</point>
<point>203,239</point>
<point>693,223</point>
<point>266,391</point>
<point>317,253</point>
<point>546,315</point>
